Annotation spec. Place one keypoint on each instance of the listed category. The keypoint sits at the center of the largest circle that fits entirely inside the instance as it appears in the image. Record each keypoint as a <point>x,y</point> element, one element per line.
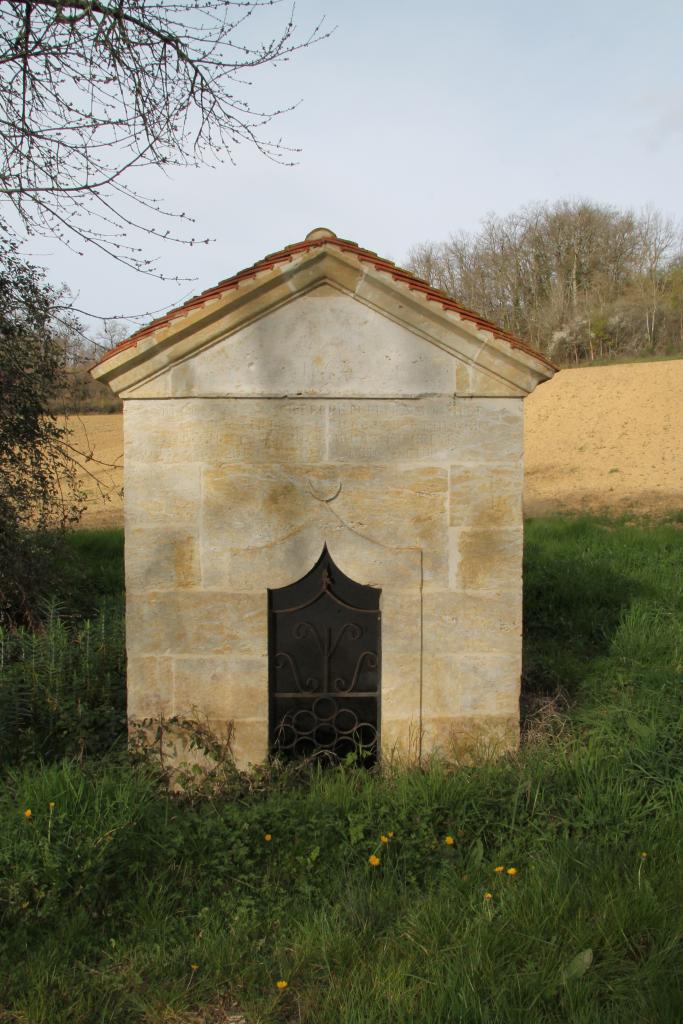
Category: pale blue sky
<point>417,119</point>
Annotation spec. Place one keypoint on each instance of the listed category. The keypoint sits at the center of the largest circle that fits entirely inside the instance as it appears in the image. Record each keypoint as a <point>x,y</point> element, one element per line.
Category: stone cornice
<point>488,365</point>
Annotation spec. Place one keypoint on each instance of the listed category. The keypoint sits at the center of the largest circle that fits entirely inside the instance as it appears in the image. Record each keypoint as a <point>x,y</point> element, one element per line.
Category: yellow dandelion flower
<point>499,870</point>
<point>195,967</point>
<point>373,859</point>
<point>488,895</point>
<point>643,855</point>
<point>267,837</point>
<point>384,839</point>
<point>390,834</point>
<point>512,871</point>
<point>449,840</point>
<point>51,805</point>
<point>281,984</point>
<point>28,813</point>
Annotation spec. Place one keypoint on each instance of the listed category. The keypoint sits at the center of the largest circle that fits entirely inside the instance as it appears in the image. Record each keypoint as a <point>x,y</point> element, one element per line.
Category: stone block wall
<point>418,495</point>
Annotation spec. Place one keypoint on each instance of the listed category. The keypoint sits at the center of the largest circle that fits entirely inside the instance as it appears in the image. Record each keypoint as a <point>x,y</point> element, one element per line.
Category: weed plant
<point>62,686</point>
<point>121,902</point>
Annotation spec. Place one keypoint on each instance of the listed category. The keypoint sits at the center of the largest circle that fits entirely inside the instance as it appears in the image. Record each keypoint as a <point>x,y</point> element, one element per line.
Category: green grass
<point>91,569</point>
<point>108,899</point>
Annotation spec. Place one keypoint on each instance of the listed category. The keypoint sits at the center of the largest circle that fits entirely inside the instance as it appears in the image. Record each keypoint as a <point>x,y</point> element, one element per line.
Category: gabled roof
<point>321,238</point>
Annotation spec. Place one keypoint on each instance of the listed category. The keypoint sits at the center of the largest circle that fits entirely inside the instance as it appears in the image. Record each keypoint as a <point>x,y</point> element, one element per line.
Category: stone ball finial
<point>319,233</point>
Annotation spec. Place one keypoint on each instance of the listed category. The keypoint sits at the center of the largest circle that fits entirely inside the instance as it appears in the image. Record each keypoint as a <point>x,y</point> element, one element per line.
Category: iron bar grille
<point>324,666</point>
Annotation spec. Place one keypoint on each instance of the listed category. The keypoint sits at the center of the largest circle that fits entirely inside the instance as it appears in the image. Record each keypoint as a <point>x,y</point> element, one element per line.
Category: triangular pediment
<point>325,321</point>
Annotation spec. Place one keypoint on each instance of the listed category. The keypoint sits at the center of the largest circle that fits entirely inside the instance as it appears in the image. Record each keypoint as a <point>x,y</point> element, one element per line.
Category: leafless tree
<point>91,91</point>
<point>577,279</point>
<point>658,238</point>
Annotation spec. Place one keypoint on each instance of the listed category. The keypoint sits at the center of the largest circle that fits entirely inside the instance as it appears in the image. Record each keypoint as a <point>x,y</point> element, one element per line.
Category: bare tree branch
<point>91,91</point>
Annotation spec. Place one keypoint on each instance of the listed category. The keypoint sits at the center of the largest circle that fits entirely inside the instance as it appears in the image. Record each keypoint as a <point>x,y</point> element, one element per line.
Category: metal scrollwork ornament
<point>324,676</point>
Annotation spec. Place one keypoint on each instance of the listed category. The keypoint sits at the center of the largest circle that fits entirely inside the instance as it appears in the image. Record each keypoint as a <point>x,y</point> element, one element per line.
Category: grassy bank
<point>119,902</point>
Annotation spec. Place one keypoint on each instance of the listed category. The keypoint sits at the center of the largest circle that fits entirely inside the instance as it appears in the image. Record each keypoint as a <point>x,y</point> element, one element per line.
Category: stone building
<point>323,509</point>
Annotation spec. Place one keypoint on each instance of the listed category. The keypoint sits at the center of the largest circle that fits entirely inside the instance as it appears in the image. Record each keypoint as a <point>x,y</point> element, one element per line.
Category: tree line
<point>578,280</point>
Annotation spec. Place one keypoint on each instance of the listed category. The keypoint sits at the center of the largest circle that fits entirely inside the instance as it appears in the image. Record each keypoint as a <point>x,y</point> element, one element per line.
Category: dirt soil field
<point>600,439</point>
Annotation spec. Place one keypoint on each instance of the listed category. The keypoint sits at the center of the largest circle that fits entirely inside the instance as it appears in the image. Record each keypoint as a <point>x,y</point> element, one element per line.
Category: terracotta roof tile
<point>364,256</point>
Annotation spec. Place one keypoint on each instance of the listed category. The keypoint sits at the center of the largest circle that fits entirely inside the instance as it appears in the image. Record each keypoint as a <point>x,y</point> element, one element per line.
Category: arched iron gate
<point>324,665</point>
